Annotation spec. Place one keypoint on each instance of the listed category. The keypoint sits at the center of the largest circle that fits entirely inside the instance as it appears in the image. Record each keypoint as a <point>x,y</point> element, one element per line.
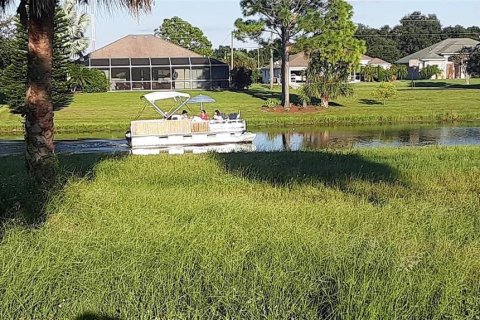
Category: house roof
<point>436,51</point>
<point>298,60</point>
<point>142,46</point>
<point>378,61</point>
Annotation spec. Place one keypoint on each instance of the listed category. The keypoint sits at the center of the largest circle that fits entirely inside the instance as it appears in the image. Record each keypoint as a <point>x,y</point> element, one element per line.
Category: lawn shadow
<point>93,316</point>
<point>442,85</point>
<point>22,201</point>
<point>370,102</point>
<point>259,93</point>
<point>330,168</point>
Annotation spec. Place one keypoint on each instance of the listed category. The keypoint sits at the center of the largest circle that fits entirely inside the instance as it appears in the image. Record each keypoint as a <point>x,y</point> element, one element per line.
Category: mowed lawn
<point>430,101</point>
<point>359,234</point>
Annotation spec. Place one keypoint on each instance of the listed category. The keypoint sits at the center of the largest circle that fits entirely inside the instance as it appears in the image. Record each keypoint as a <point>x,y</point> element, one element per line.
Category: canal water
<point>292,139</point>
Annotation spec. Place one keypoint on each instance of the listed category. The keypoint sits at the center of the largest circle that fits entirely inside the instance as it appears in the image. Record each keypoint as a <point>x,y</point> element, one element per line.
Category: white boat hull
<point>199,139</point>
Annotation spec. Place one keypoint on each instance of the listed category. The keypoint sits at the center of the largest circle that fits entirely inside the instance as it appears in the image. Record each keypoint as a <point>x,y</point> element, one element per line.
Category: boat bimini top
<point>179,97</point>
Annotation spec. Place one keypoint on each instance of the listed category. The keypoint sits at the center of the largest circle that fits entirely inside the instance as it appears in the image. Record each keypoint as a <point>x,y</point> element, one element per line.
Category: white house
<point>439,54</point>
<point>299,64</point>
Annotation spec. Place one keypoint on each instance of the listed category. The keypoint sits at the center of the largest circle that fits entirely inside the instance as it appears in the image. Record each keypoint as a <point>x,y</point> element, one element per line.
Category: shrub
<point>430,71</point>
<point>241,78</point>
<point>272,102</point>
<point>87,80</point>
<point>385,91</point>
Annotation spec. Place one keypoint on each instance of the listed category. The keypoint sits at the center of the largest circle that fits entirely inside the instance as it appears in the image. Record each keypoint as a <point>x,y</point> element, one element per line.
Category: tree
<point>379,42</point>
<point>281,18</point>
<point>333,51</point>
<point>417,31</point>
<point>461,61</point>
<point>241,78</point>
<point>429,72</point>
<point>385,91</point>
<point>13,81</point>
<point>368,73</point>
<point>473,65</point>
<point>37,16</point>
<point>181,32</point>
<point>402,71</point>
<point>7,32</point>
<point>77,25</point>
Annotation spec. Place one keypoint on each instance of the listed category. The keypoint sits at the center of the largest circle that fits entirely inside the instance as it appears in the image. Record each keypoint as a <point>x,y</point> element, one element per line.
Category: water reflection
<point>289,140</point>
<point>330,138</point>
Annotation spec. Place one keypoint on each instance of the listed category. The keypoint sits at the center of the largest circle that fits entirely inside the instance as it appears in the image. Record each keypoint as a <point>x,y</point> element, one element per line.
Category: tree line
<point>415,32</point>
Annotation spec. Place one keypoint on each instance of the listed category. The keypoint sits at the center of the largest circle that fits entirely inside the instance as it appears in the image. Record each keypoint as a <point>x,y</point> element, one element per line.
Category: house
<point>146,62</point>
<point>440,54</point>
<point>299,64</point>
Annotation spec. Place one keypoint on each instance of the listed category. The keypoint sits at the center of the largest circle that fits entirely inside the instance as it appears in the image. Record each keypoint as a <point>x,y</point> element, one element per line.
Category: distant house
<point>299,64</point>
<point>439,54</point>
<point>146,62</point>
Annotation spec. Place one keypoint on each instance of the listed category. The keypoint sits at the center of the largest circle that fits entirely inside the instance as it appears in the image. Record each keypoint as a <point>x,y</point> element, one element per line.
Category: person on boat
<point>204,115</point>
<point>217,115</point>
<point>184,114</point>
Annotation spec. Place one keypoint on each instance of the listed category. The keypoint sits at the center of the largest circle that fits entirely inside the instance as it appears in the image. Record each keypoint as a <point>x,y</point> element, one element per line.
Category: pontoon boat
<point>174,130</point>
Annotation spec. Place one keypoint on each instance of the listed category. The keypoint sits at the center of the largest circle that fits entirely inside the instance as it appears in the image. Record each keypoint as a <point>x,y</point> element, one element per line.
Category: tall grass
<point>384,234</point>
<point>436,103</point>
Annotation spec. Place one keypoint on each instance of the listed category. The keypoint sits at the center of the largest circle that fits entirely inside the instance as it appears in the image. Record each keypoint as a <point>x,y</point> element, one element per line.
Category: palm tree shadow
<point>22,201</point>
<point>93,316</point>
<point>330,168</point>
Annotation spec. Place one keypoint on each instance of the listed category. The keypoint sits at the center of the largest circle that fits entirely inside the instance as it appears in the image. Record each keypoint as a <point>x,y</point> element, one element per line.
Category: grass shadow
<point>442,85</point>
<point>93,316</point>
<point>22,201</point>
<point>330,168</point>
<point>261,94</point>
<point>370,102</point>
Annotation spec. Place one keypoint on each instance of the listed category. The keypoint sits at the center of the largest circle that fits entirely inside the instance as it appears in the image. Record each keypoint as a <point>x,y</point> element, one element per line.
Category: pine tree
<point>13,81</point>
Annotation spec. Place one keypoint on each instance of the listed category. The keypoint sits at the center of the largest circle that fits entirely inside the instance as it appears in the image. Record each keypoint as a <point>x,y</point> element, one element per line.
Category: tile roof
<point>142,46</point>
<point>452,45</point>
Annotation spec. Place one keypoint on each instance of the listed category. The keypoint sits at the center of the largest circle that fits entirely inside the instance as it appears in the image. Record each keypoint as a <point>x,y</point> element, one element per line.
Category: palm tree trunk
<point>39,153</point>
<point>285,71</point>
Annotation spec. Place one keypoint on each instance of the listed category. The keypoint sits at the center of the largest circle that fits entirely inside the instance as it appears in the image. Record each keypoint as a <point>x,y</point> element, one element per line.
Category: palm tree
<point>77,26</point>
<point>37,16</point>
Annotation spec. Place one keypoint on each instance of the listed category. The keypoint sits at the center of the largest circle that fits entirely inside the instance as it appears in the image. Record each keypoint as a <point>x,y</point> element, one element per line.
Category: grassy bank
<point>384,234</point>
<point>429,102</point>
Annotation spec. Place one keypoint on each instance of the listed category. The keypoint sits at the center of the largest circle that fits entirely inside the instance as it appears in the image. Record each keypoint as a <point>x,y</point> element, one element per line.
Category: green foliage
<point>76,27</point>
<point>417,31</point>
<point>256,76</point>
<point>333,50</point>
<point>87,80</point>
<point>385,91</point>
<point>272,102</point>
<point>473,65</point>
<point>282,18</point>
<point>368,73</point>
<point>7,43</point>
<point>13,80</point>
<point>429,72</point>
<point>379,42</point>
<point>334,234</point>
<point>401,71</point>
<point>181,32</point>
<point>241,78</point>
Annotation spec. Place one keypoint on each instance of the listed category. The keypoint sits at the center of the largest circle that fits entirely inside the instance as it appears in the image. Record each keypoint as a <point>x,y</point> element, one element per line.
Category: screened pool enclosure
<point>162,73</point>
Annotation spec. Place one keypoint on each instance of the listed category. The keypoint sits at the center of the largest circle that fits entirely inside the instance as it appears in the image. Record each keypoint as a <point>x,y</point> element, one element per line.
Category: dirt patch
<point>293,109</point>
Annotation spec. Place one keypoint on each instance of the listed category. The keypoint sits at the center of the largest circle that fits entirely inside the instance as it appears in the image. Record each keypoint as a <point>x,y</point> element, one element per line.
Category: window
<point>141,74</point>
<point>200,73</point>
<point>160,61</point>
<point>161,74</point>
<point>100,62</point>
<point>220,72</point>
<point>120,62</point>
<point>181,74</point>
<point>180,61</point>
<point>121,74</point>
<point>140,62</point>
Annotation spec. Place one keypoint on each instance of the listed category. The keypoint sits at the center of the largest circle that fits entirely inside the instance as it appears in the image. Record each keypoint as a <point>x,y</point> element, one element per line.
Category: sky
<point>216,17</point>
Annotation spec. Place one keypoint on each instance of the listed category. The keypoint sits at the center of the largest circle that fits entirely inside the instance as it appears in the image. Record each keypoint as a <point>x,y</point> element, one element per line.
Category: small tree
<point>368,73</point>
<point>385,91</point>
<point>461,60</point>
<point>334,52</point>
<point>402,71</point>
<point>473,65</point>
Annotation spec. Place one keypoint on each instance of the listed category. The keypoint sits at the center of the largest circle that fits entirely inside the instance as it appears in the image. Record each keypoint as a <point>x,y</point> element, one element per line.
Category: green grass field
<point>359,234</point>
<point>429,102</point>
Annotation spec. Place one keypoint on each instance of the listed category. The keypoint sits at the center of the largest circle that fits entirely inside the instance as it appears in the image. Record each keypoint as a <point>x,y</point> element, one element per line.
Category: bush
<point>430,71</point>
<point>241,78</point>
<point>87,80</point>
<point>385,91</point>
